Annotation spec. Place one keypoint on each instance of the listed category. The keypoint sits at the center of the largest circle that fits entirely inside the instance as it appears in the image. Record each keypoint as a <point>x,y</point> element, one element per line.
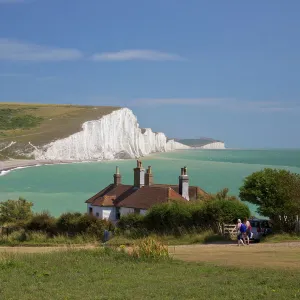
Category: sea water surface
<point>63,188</point>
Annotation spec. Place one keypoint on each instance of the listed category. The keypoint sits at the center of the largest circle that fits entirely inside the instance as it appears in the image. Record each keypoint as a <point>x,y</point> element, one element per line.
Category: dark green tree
<point>276,194</point>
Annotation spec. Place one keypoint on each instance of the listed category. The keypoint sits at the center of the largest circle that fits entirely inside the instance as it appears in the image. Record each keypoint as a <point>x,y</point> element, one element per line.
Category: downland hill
<point>23,126</point>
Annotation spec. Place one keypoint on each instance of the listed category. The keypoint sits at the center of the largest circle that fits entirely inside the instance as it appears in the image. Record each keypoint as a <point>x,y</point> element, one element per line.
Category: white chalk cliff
<point>114,136</point>
<point>214,145</point>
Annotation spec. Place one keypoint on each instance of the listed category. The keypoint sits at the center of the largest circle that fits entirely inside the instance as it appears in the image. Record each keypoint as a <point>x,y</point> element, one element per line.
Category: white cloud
<point>221,103</point>
<point>20,51</point>
<point>124,55</point>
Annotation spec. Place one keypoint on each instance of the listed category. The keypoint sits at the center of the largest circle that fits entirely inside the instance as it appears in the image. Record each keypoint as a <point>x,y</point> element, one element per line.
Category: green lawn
<point>94,274</point>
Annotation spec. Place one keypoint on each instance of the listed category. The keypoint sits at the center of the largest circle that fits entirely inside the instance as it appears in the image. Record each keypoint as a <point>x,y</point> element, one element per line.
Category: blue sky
<point>222,69</point>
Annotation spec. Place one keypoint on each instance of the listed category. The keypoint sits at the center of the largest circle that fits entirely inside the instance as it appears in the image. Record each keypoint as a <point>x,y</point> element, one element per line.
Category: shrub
<point>131,221</point>
<point>77,223</point>
<point>169,217</point>
<point>42,222</point>
<point>179,218</point>
<point>15,211</point>
<point>67,222</point>
<point>150,248</point>
<point>225,211</point>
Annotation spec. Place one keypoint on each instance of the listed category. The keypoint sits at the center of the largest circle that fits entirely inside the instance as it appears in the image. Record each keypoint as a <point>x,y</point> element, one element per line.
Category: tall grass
<point>150,248</point>
<point>38,238</point>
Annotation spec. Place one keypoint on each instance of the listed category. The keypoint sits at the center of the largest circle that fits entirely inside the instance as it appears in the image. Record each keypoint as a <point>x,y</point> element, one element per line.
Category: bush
<point>67,222</point>
<point>131,221</point>
<point>150,248</point>
<point>42,222</point>
<point>169,217</point>
<point>15,211</point>
<point>179,218</point>
<point>77,223</point>
<point>225,211</point>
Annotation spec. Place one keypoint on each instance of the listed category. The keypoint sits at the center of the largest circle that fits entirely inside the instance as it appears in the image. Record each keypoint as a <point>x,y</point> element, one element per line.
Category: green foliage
<point>24,226</point>
<point>42,222</point>
<point>225,211</point>
<point>40,238</point>
<point>77,223</point>
<point>12,119</point>
<point>177,217</point>
<point>131,221</point>
<point>169,217</point>
<point>223,195</point>
<point>277,195</point>
<point>15,211</point>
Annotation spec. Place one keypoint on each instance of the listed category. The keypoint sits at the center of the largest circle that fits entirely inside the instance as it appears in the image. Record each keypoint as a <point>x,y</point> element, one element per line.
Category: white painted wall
<point>125,211</point>
<point>143,211</point>
<point>108,213</point>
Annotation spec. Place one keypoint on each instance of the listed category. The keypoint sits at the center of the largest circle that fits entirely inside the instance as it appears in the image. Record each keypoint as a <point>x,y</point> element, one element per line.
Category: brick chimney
<point>149,177</point>
<point>184,184</point>
<point>117,177</point>
<point>139,175</point>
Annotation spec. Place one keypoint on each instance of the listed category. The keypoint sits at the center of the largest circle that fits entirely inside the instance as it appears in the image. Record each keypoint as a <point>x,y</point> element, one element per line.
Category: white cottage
<point>118,199</point>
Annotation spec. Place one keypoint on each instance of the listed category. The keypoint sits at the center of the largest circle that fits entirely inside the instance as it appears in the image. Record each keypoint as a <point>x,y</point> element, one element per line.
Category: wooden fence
<point>228,230</point>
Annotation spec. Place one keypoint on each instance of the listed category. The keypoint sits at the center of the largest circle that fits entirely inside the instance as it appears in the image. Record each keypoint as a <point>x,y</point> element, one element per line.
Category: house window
<point>137,211</point>
<point>97,215</point>
<point>90,210</point>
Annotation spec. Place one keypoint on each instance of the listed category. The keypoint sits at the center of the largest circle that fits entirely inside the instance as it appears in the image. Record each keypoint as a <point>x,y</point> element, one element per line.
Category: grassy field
<point>99,274</point>
<point>256,256</point>
<point>50,122</point>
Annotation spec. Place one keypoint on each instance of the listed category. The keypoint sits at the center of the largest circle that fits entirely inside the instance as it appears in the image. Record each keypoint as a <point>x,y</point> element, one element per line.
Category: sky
<point>228,70</point>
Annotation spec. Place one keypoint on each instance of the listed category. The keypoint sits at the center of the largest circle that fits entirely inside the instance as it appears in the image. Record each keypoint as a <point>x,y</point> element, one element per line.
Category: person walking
<point>248,230</point>
<point>239,233</point>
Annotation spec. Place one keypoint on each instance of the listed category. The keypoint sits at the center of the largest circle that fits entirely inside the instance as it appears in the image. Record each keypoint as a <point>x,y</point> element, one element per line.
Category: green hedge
<point>177,217</point>
<point>70,224</point>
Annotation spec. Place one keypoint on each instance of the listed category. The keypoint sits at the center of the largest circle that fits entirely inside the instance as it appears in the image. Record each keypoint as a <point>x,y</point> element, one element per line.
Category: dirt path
<point>277,255</point>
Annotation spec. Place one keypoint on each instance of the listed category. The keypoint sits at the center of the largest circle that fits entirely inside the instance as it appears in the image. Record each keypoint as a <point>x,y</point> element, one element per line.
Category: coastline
<point>9,165</point>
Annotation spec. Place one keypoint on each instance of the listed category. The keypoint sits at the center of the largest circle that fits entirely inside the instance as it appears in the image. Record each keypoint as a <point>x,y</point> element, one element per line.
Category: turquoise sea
<point>62,188</point>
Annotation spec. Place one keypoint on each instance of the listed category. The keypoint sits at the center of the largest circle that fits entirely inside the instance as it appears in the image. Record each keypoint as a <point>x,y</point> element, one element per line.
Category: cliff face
<point>114,136</point>
<point>215,145</point>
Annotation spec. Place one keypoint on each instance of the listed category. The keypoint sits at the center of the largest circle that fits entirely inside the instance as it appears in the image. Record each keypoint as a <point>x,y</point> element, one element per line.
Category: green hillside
<point>197,142</point>
<point>41,124</point>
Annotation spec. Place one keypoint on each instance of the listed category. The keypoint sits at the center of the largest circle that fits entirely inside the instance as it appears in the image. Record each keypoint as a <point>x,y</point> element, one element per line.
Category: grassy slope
<point>59,121</point>
<point>197,142</point>
<point>96,275</point>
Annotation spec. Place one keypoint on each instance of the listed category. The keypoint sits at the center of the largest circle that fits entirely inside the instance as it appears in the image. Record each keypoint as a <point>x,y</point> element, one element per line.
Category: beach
<point>8,165</point>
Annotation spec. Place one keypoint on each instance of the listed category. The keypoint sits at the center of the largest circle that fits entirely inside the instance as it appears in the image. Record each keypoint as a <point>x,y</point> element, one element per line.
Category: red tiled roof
<point>147,196</point>
<point>114,192</point>
<point>194,191</point>
<point>143,198</point>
